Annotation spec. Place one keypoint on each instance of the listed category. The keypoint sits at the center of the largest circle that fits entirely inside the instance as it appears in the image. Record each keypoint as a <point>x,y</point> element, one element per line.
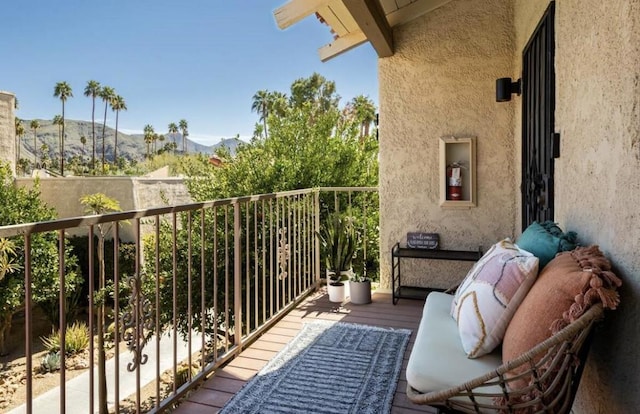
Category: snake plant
<point>339,240</point>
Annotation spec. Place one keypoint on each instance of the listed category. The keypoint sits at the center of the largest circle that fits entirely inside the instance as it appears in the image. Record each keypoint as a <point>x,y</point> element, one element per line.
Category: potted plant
<point>339,240</point>
<point>360,289</point>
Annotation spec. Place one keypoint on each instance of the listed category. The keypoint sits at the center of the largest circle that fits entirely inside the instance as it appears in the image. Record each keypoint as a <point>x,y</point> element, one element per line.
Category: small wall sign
<point>419,240</point>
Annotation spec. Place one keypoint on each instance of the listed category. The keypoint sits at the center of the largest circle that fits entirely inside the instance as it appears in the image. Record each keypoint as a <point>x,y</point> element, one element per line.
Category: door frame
<point>539,143</point>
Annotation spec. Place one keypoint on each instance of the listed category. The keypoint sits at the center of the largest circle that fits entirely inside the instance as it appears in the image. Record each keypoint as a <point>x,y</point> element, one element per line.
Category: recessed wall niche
<point>457,172</point>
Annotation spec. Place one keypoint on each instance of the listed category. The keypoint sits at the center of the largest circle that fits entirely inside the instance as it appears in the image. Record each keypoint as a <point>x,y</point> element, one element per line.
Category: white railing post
<point>316,255</point>
<point>237,276</point>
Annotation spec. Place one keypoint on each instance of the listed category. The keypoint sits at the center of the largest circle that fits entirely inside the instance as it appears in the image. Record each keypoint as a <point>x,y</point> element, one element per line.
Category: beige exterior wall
<point>64,194</point>
<point>598,176</point>
<point>7,129</point>
<point>441,82</point>
<point>596,181</point>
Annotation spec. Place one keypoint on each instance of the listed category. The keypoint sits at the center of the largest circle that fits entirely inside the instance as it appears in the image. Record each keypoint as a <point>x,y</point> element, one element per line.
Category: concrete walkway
<point>77,389</point>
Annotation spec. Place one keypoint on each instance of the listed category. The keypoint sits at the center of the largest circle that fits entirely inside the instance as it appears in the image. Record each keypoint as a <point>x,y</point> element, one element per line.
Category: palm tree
<point>260,105</point>
<point>44,155</point>
<point>277,103</point>
<point>19,134</point>
<point>184,128</point>
<point>57,120</point>
<point>364,112</point>
<point>62,91</point>
<point>161,138</point>
<point>106,94</point>
<point>83,141</point>
<point>93,90</point>
<point>173,130</point>
<point>35,124</point>
<point>148,137</point>
<point>117,104</point>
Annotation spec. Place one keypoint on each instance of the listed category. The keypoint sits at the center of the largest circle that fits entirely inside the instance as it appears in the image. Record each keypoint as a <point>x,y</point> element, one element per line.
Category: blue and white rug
<point>328,368</point>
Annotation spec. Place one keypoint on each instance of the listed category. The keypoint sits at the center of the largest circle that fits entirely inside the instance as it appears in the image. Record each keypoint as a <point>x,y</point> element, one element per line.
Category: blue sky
<point>201,60</point>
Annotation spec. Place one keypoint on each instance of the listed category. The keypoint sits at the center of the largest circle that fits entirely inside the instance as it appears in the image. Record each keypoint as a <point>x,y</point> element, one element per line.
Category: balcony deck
<point>218,389</point>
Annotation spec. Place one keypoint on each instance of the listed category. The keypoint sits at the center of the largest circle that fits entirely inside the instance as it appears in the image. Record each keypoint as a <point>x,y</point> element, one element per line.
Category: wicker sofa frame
<point>552,370</point>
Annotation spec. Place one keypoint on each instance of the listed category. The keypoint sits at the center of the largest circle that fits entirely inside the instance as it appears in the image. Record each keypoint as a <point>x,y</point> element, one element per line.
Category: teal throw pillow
<point>539,242</point>
<point>568,240</point>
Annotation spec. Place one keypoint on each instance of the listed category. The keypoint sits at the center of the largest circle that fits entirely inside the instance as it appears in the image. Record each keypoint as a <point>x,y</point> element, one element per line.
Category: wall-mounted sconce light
<point>505,88</point>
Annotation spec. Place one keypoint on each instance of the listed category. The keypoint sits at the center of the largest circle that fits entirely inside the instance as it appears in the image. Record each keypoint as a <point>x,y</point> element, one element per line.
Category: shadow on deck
<point>218,389</point>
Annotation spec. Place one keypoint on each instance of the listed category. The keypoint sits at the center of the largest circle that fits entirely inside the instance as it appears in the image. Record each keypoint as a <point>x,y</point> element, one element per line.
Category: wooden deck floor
<point>217,390</point>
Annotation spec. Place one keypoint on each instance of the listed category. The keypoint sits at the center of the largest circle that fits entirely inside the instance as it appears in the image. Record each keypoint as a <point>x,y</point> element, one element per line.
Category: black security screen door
<point>539,145</point>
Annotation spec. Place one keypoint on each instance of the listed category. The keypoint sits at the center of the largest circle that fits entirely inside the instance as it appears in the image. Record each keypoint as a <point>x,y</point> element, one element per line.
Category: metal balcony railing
<point>184,287</point>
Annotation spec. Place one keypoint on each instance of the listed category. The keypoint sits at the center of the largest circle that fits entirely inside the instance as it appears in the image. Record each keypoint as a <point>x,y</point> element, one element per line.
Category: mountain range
<point>131,146</point>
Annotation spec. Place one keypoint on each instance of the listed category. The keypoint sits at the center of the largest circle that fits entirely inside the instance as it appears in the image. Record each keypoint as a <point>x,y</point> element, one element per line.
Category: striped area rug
<point>328,368</point>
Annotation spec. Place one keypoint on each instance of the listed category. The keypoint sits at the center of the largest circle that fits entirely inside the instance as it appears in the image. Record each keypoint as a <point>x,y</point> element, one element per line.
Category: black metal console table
<point>400,291</point>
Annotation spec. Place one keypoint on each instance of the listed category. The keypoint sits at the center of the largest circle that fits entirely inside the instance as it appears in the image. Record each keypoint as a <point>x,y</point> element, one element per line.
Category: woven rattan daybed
<point>562,356</point>
<point>538,366</point>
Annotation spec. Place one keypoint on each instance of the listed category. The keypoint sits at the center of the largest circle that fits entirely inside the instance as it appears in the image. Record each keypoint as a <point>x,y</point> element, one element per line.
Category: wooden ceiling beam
<point>296,10</point>
<point>373,23</point>
<point>369,15</point>
<point>341,45</point>
<point>335,24</point>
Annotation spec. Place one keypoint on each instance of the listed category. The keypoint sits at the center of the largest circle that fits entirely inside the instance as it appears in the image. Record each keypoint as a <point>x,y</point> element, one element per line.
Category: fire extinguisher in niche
<point>454,181</point>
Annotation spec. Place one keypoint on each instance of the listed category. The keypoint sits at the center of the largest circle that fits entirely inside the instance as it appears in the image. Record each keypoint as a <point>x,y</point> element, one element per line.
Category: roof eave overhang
<point>354,22</point>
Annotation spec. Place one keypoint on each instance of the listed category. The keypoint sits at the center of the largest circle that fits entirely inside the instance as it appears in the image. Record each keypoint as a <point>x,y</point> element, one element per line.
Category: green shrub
<point>76,339</point>
<point>23,205</point>
<point>126,261</point>
<point>110,335</point>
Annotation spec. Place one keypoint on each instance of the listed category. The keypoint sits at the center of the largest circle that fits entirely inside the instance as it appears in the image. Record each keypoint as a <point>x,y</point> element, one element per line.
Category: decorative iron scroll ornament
<point>137,330</point>
<point>283,253</point>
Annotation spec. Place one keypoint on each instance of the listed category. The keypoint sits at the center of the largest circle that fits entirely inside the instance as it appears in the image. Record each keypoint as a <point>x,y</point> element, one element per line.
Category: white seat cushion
<point>438,361</point>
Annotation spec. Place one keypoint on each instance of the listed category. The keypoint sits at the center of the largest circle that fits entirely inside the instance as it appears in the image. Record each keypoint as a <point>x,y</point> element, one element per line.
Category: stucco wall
<point>441,82</point>
<point>598,176</point>
<point>596,182</point>
<point>132,193</point>
<point>7,129</point>
<point>150,192</point>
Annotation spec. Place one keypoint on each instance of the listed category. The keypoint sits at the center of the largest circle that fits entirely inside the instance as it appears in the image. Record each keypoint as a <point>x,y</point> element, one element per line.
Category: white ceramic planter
<point>337,292</point>
<point>345,275</point>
